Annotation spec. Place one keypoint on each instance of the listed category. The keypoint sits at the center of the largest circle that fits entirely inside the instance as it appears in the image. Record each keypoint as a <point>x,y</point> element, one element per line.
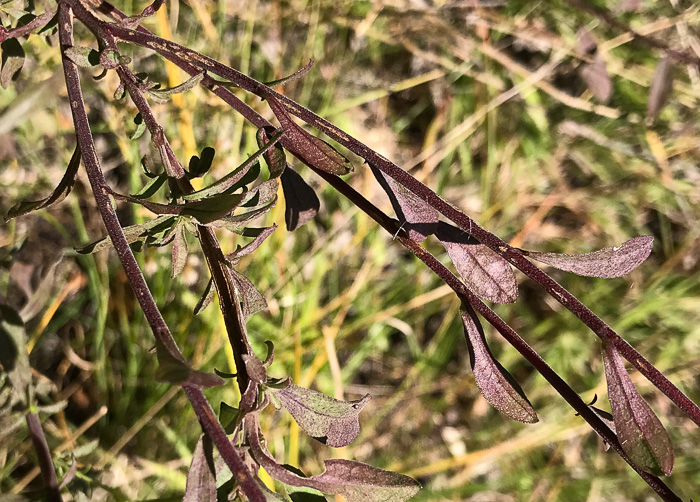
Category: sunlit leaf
<point>301,202</point>
<point>255,369</point>
<point>639,430</point>
<point>607,263</point>
<point>661,86</point>
<point>484,272</point>
<point>324,418</point>
<point>133,233</point>
<point>140,126</point>
<point>311,150</point>
<point>229,416</point>
<point>251,246</point>
<point>179,251</point>
<point>183,87</point>
<point>275,157</point>
<point>417,216</point>
<point>252,300</point>
<point>84,57</point>
<point>12,61</point>
<point>201,477</point>
<point>152,187</point>
<point>59,193</point>
<point>495,383</point>
<point>206,297</point>
<point>294,76</point>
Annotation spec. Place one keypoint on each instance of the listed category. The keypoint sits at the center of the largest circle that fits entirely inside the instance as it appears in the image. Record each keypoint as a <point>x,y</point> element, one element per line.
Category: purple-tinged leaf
<point>639,430</point>
<point>324,418</point>
<point>12,61</point>
<point>72,470</point>
<point>313,151</point>
<point>201,477</point>
<point>174,369</point>
<point>605,416</point>
<point>255,369</point>
<point>275,157</point>
<point>596,76</point>
<point>294,76</point>
<point>262,194</point>
<point>661,86</point>
<point>251,246</point>
<point>252,300</point>
<point>85,57</point>
<point>13,354</point>
<point>495,383</point>
<point>235,222</point>
<point>419,218</point>
<point>206,297</point>
<point>301,202</point>
<point>163,95</point>
<point>484,272</point>
<point>355,481</point>
<point>606,263</point>
<point>586,46</point>
<point>179,250</point>
<point>59,193</point>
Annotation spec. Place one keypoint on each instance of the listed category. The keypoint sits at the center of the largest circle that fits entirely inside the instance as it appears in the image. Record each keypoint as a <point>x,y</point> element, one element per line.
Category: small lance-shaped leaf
<point>84,57</point>
<point>639,430</point>
<point>483,271</point>
<point>421,219</point>
<point>495,383</point>
<point>276,158</point>
<point>12,61</point>
<point>251,246</point>
<point>301,202</point>
<point>606,263</point>
<point>302,144</point>
<point>179,251</point>
<point>294,76</point>
<point>661,86</point>
<point>355,481</point>
<point>596,76</point>
<point>206,297</point>
<point>173,369</point>
<point>328,420</point>
<point>58,194</point>
<point>183,87</point>
<point>13,354</point>
<point>252,300</point>
<point>140,126</point>
<point>133,233</point>
<point>201,477</point>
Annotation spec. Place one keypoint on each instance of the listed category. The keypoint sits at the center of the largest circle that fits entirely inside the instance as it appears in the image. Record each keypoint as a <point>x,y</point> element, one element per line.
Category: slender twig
<point>160,330</point>
<point>188,60</point>
<point>20,31</point>
<point>44,454</point>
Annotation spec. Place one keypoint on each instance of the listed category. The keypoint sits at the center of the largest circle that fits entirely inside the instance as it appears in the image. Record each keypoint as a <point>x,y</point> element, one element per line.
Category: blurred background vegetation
<point>428,84</point>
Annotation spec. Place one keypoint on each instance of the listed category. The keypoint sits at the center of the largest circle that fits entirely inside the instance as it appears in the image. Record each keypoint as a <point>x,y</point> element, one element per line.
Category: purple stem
<point>44,454</point>
<point>160,330</point>
<point>32,25</point>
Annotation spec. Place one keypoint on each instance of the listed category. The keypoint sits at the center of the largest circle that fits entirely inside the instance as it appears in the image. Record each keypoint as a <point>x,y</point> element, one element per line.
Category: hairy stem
<point>131,268</point>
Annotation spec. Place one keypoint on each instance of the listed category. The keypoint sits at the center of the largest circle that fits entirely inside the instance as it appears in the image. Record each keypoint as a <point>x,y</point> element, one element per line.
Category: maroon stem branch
<point>26,29</point>
<point>44,454</point>
<point>160,330</point>
<point>190,60</point>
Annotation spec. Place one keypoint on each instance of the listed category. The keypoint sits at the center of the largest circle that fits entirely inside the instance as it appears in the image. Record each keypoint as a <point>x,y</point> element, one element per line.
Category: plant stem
<point>131,268</point>
<point>44,454</point>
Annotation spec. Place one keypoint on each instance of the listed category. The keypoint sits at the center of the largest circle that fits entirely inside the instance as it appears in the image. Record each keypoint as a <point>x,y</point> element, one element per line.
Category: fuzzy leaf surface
<point>201,477</point>
<point>59,193</point>
<point>606,263</point>
<point>638,428</point>
<point>495,383</point>
<point>133,233</point>
<point>484,272</point>
<point>276,158</point>
<point>308,148</point>
<point>333,422</point>
<point>421,219</point>
<point>301,202</point>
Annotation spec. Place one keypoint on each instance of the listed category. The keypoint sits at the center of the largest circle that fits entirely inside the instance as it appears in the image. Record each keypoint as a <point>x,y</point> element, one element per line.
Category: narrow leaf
<point>252,300</point>
<point>255,369</point>
<point>179,251</point>
<point>13,354</point>
<point>418,217</point>
<point>140,126</point>
<point>309,149</point>
<point>275,157</point>
<point>152,187</point>
<point>328,420</point>
<point>12,61</point>
<point>596,76</point>
<point>251,246</point>
<point>639,430</point>
<point>85,57</point>
<point>133,233</point>
<point>183,87</point>
<point>301,202</point>
<point>661,86</point>
<point>607,263</point>
<point>59,193</point>
<point>483,271</point>
<point>294,76</point>
<point>234,222</point>
<point>206,297</point>
<point>201,477</point>
<point>495,383</point>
